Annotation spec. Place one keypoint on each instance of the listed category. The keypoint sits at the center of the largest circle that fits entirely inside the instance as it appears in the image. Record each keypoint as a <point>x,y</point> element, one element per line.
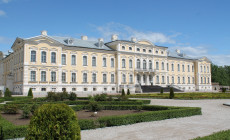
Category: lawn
<point>185,96</point>
<point>222,135</point>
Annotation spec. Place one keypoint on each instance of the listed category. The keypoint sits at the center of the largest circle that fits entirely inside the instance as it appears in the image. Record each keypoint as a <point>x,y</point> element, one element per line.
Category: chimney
<point>84,37</point>
<point>100,42</point>
<point>44,32</point>
<point>133,39</point>
<point>114,37</point>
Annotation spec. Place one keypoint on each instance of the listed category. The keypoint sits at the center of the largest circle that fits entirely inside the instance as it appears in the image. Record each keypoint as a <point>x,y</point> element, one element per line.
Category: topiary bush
<point>30,93</point>
<point>72,96</point>
<point>26,112</point>
<point>10,109</point>
<point>171,94</point>
<point>123,92</point>
<point>162,90</point>
<point>7,93</point>
<point>100,97</point>
<point>54,121</point>
<point>128,92</point>
<point>94,106</point>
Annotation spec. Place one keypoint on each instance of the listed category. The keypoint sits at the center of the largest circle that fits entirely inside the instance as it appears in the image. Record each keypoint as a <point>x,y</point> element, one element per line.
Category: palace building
<point>50,63</point>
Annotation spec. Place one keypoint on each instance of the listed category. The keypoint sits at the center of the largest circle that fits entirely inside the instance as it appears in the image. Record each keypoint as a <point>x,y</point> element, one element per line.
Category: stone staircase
<point>146,89</point>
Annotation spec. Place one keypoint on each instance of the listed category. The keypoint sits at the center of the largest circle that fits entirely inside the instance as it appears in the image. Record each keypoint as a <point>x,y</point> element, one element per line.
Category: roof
<point>78,42</point>
<point>179,55</point>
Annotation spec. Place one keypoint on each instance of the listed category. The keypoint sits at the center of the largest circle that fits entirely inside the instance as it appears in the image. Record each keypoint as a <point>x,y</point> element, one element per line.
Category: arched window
<point>150,78</point>
<point>201,80</point>
<point>157,65</point>
<point>112,62</point>
<point>74,77</point>
<point>130,78</point>
<point>63,59</point>
<point>53,76</point>
<point>84,60</point>
<point>123,78</point>
<point>33,56</point>
<point>188,68</point>
<point>172,67</point>
<point>150,64</point>
<point>33,76</point>
<point>183,68</point>
<point>144,64</point>
<point>43,58</point>
<point>157,78</point>
<point>188,80</point>
<point>73,60</point>
<point>104,78</point>
<point>53,57</point>
<point>94,61</point>
<point>104,62</point>
<point>178,67</point>
<point>63,77</point>
<point>94,78</point>
<point>112,78</point>
<point>172,79</point>
<point>43,76</point>
<point>163,79</point>
<point>183,80</point>
<point>130,63</point>
<point>167,79</point>
<point>84,77</point>
<point>167,66</point>
<point>144,78</point>
<point>162,66</point>
<point>201,69</point>
<point>123,63</point>
<point>138,63</point>
<point>138,78</point>
<point>178,81</point>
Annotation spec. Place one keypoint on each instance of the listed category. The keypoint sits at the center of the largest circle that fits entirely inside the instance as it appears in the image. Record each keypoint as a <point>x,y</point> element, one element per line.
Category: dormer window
<point>123,47</point>
<point>138,49</point>
<point>130,48</point>
<point>69,41</point>
<point>150,51</point>
<point>144,50</point>
<point>156,51</point>
<point>162,52</point>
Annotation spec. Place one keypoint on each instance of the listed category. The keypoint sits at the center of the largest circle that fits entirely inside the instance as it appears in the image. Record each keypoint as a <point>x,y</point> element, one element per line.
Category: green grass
<point>186,96</point>
<point>222,135</point>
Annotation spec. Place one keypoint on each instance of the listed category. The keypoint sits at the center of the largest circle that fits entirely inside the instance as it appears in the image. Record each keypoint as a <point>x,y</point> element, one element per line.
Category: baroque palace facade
<point>49,63</point>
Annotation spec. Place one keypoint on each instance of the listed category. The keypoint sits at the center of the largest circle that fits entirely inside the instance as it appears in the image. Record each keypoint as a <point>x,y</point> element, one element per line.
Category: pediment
<point>145,42</point>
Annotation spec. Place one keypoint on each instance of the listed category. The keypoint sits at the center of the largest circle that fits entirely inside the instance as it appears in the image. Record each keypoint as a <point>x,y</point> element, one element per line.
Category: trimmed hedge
<point>222,135</point>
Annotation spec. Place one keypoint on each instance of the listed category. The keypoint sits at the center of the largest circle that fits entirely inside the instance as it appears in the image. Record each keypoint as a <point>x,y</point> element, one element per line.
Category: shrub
<point>100,97</point>
<point>123,98</point>
<point>7,93</point>
<point>139,108</point>
<point>123,92</point>
<point>94,106</point>
<point>162,90</point>
<point>10,109</point>
<point>171,94</point>
<point>26,112</point>
<point>54,121</point>
<point>0,93</point>
<point>30,93</point>
<point>110,98</point>
<point>223,90</point>
<point>34,107</point>
<point>128,92</point>
<point>60,96</point>
<point>72,96</point>
<point>1,134</point>
<point>51,96</point>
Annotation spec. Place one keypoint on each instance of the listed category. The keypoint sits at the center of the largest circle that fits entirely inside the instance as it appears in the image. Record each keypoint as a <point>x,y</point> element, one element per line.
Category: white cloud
<point>126,32</point>
<point>5,40</point>
<point>2,13</point>
<point>6,1</point>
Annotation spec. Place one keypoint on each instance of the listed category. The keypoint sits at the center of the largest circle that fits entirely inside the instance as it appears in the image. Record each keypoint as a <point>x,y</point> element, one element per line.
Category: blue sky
<point>197,27</point>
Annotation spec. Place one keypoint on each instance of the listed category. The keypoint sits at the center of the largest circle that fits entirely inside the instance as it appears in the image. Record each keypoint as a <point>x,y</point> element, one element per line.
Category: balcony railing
<point>144,70</point>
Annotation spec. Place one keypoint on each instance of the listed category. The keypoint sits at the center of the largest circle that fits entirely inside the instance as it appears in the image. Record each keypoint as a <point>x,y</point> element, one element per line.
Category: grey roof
<point>80,43</point>
<point>179,55</point>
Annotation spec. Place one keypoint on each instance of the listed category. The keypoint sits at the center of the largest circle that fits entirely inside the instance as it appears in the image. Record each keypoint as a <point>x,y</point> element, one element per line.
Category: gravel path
<point>215,117</point>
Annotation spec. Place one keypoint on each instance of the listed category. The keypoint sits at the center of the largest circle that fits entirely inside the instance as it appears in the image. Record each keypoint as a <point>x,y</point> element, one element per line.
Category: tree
<point>7,93</point>
<point>123,92</point>
<point>30,93</point>
<point>128,92</point>
<point>54,121</point>
<point>171,94</point>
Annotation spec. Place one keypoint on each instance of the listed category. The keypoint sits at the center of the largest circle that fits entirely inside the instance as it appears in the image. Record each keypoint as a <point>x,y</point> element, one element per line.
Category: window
<point>150,51</point>
<point>53,76</point>
<point>201,69</point>
<point>204,69</point>
<point>104,78</point>
<point>130,48</point>
<point>138,78</point>
<point>53,57</point>
<point>207,69</point>
<point>144,78</point>
<point>183,68</point>
<point>94,89</point>
<point>188,80</point>
<point>157,65</point>
<point>192,68</point>
<point>138,49</point>
<point>205,80</point>
<point>167,79</point>
<point>172,67</point>
<point>172,79</point>
<point>162,66</point>
<point>144,64</point>
<point>178,81</point>
<point>151,79</point>
<point>74,89</point>
<point>130,63</point>
<point>33,56</point>
<point>63,77</point>
<point>104,62</point>
<point>85,89</point>
<point>208,80</point>
<point>138,63</point>
<point>105,89</point>
<point>112,62</point>
<point>43,57</point>
<point>158,81</point>
<point>123,63</point>
<point>123,47</point>
<point>63,59</point>
<point>150,64</point>
<point>156,51</point>
<point>163,79</point>
<point>112,78</point>
<point>193,80</point>
<point>178,67</point>
<point>167,66</point>
<point>123,78</point>
<point>94,61</point>
<point>43,76</point>
<point>84,60</point>
<point>73,78</point>
<point>73,61</point>
<point>43,89</point>
<point>64,89</point>
<point>33,76</point>
<point>94,78</point>
<point>162,52</point>
<point>144,50</point>
<point>183,80</point>
<point>188,68</point>
<point>130,78</point>
<point>84,77</point>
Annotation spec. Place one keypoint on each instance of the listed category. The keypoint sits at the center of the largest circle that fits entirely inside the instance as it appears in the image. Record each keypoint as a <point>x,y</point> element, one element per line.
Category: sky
<point>196,27</point>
